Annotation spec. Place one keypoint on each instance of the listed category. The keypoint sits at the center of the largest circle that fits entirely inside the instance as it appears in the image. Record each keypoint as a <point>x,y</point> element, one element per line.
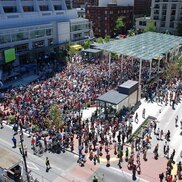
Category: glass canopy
<point>146,46</point>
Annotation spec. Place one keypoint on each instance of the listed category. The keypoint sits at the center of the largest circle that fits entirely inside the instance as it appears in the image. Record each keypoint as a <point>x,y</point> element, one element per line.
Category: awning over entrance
<point>76,47</point>
<point>94,51</point>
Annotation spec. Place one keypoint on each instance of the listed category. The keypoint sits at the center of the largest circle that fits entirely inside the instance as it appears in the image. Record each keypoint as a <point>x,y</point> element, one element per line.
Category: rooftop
<point>8,160</point>
<point>146,46</point>
<point>128,84</point>
<point>112,97</point>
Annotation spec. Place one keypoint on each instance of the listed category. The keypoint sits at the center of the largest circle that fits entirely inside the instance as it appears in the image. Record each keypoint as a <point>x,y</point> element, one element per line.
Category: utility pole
<point>23,153</point>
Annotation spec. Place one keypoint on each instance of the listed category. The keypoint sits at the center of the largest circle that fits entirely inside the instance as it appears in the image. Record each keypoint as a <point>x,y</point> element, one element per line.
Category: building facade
<point>84,3</point>
<point>167,14</point>
<point>141,23</point>
<point>103,19</point>
<point>38,26</point>
<point>142,8</point>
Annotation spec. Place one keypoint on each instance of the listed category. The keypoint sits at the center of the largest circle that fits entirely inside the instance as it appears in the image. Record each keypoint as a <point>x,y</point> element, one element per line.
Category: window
<point>173,6</point>
<point>173,12</point>
<point>156,18</point>
<point>50,42</point>
<point>22,47</point>
<point>140,22</point>
<point>19,36</point>
<point>49,32</point>
<point>171,24</point>
<point>28,8</point>
<point>5,39</point>
<point>43,8</point>
<point>57,7</point>
<point>38,44</point>
<point>164,6</point>
<point>77,36</point>
<point>37,33</point>
<point>10,9</point>
<point>164,12</point>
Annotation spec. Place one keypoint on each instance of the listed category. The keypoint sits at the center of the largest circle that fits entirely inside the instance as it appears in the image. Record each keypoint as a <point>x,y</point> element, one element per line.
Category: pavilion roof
<point>145,46</point>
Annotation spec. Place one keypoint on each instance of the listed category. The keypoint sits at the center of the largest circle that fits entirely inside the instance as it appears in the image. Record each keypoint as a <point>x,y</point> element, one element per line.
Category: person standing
<point>145,154</point>
<point>108,159</point>
<point>47,164</point>
<point>161,177</point>
<point>136,117</point>
<point>143,113</point>
<point>176,121</point>
<point>14,141</point>
<point>156,151</point>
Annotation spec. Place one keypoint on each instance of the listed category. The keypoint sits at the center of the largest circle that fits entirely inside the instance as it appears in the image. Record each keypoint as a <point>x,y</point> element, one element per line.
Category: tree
<point>107,39</point>
<point>131,32</point>
<point>100,40</point>
<point>87,44</point>
<point>119,25</point>
<point>56,116</point>
<point>150,27</point>
<point>174,68</point>
<point>179,29</point>
<point>72,51</point>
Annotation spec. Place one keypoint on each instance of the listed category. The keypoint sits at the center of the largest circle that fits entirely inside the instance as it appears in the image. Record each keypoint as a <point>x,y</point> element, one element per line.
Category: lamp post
<point>23,153</point>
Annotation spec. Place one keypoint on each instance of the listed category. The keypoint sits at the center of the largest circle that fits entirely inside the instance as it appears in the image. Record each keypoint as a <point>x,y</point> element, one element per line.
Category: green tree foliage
<point>107,39</point>
<point>179,29</point>
<point>150,27</point>
<point>119,25</point>
<point>87,44</point>
<point>72,51</point>
<point>56,116</point>
<point>131,32</point>
<point>100,40</point>
<point>174,68</point>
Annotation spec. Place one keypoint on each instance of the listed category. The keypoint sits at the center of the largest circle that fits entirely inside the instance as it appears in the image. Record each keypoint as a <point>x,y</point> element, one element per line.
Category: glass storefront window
<point>37,33</point>
<point>22,47</point>
<point>20,36</point>
<point>49,32</point>
<point>38,44</point>
<point>5,39</point>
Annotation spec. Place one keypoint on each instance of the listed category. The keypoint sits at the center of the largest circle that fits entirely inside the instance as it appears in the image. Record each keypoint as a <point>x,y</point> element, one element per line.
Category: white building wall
<point>63,32</point>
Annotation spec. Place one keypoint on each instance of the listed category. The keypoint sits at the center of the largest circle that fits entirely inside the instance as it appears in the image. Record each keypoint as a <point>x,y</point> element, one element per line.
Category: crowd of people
<point>77,86</point>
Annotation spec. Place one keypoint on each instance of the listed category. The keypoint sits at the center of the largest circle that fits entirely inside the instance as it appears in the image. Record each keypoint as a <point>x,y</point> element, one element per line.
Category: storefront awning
<point>76,47</point>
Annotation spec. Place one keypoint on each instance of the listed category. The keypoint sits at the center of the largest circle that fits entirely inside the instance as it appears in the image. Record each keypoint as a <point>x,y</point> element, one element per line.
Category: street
<point>64,166</point>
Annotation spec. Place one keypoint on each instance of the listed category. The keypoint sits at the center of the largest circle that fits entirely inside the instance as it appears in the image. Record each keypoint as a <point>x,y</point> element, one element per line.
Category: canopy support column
<point>139,80</point>
<point>158,69</point>
<point>166,57</point>
<point>109,65</point>
<point>132,62</point>
<point>150,69</point>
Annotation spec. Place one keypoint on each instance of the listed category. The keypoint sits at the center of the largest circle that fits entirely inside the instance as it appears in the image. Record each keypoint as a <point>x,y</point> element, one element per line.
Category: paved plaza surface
<point>64,166</point>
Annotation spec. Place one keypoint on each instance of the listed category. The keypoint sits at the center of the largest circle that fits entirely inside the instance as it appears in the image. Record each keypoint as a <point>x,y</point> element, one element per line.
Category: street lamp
<point>23,153</point>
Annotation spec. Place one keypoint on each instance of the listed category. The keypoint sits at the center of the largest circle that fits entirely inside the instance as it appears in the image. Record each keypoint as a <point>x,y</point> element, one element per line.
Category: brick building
<point>142,7</point>
<point>104,18</point>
